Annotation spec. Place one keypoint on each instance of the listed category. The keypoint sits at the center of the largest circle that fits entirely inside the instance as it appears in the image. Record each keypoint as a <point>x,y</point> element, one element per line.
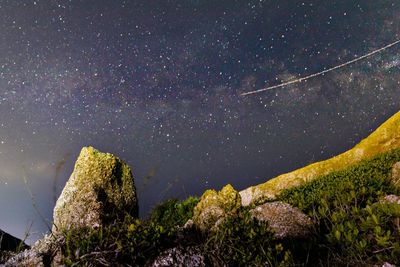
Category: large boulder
<point>395,177</point>
<point>283,219</point>
<point>215,206</point>
<point>100,189</point>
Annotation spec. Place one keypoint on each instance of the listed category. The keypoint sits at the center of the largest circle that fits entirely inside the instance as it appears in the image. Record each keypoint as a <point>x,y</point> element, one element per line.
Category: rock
<point>215,206</point>
<point>100,189</point>
<point>10,243</point>
<point>189,224</point>
<point>284,220</point>
<point>391,199</point>
<point>179,256</point>
<point>44,252</point>
<point>395,177</point>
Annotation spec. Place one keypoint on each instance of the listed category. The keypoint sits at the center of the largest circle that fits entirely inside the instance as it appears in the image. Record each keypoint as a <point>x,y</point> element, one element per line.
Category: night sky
<point>158,83</point>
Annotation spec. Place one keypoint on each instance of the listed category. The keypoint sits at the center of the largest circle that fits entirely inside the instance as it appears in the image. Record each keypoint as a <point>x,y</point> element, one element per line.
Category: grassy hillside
<point>383,139</point>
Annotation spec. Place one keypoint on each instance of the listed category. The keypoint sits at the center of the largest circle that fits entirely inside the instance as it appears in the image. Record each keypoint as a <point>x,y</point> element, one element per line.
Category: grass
<point>129,241</point>
<point>353,227</point>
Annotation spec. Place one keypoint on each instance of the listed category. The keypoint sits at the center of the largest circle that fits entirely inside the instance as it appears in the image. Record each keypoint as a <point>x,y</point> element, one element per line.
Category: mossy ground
<point>383,139</point>
<point>352,228</point>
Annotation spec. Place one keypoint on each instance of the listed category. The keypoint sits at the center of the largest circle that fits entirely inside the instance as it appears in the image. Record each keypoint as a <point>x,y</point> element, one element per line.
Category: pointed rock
<point>100,189</point>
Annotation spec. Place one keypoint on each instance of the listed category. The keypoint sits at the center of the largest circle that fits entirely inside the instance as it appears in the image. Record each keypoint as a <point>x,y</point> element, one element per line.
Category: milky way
<point>158,83</point>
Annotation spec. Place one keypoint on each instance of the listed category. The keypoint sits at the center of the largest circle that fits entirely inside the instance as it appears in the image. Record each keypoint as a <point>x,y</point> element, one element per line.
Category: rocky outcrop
<point>100,189</point>
<point>215,206</point>
<point>395,177</point>
<point>284,220</point>
<point>383,139</point>
<point>180,257</point>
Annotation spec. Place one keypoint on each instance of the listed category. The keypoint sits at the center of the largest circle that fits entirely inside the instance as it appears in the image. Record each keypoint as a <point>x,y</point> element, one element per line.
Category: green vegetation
<point>240,241</point>
<point>129,241</point>
<point>354,227</point>
<point>243,241</point>
<point>382,140</point>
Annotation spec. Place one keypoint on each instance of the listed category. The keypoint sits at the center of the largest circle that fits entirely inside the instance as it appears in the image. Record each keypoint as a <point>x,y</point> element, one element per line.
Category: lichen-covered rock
<point>215,206</point>
<point>395,177</point>
<point>283,219</point>
<point>180,257</point>
<point>100,189</point>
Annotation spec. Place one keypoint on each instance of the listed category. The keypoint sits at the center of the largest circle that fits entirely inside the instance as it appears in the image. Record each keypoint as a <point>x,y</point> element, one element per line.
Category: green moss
<point>173,213</point>
<point>383,139</point>
<point>101,185</point>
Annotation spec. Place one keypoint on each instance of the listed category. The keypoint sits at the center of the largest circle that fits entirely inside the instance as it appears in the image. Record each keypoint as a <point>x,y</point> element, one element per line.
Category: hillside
<point>383,139</point>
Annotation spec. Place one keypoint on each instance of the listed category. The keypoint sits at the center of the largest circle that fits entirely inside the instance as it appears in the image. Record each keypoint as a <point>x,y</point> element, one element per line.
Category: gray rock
<point>284,220</point>
<point>395,177</point>
<point>391,199</point>
<point>100,189</point>
<point>44,252</point>
<point>180,257</point>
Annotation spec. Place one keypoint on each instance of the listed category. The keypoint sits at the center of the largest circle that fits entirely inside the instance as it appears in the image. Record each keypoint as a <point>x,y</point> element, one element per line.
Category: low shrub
<point>353,228</point>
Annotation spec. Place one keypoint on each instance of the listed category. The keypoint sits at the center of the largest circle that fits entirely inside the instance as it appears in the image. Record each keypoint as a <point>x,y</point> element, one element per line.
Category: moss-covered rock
<point>100,189</point>
<point>215,206</point>
<point>284,220</point>
<point>383,139</point>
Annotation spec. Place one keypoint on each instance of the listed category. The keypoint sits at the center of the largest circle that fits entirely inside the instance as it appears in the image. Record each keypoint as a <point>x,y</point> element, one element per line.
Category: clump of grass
<point>173,212</point>
<point>243,241</point>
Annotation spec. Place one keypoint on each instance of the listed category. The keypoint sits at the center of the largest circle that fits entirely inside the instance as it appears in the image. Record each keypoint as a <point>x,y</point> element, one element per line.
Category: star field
<point>158,83</point>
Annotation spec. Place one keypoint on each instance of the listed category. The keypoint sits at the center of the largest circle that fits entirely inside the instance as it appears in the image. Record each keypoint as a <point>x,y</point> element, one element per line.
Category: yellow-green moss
<point>215,206</point>
<point>383,139</point>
